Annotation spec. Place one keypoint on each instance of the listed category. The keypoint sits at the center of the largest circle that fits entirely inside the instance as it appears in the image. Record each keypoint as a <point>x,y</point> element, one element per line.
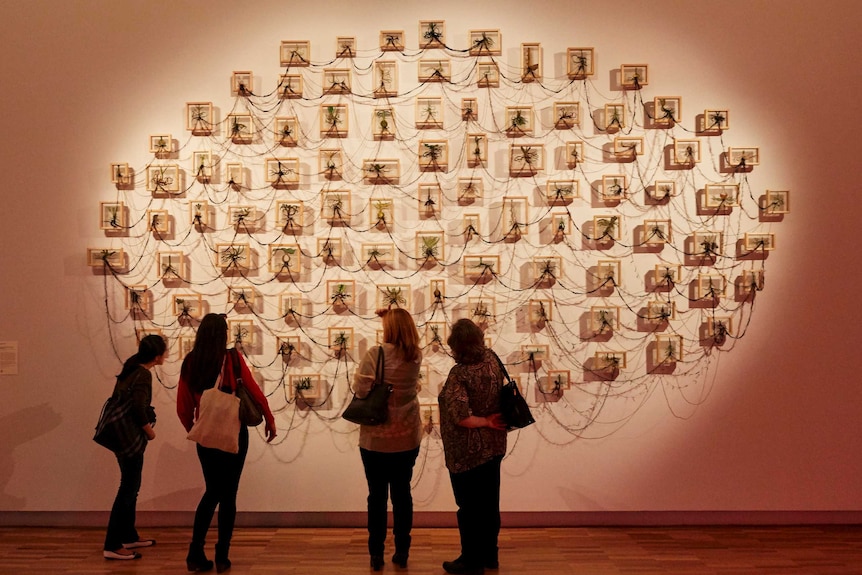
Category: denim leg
<point>121,525</point>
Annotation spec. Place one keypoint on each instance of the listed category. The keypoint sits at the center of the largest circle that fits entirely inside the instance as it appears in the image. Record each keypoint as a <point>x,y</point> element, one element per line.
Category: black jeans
<point>222,472</point>
<point>121,525</point>
<point>477,494</point>
<point>389,473</point>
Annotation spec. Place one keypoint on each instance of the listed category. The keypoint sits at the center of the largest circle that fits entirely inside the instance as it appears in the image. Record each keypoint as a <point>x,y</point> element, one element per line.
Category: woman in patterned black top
<point>474,442</point>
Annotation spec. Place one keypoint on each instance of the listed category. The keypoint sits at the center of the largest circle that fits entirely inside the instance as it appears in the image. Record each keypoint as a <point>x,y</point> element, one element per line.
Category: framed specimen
<point>232,256</point>
<point>667,275</point>
<point>336,81</point>
<point>290,86</point>
<point>341,292</point>
<point>335,206</point>
<point>241,297</point>
<point>188,305</point>
<point>438,70</point>
<point>284,259</point>
<point>282,172</point>
<point>607,228</point>
<point>615,116</point>
<point>686,151</point>
<point>540,311</point>
<point>99,257</point>
<point>777,202</point>
<point>574,153</point>
<point>667,110</point>
<point>304,386</point>
<point>634,76</point>
<point>171,265</point>
<point>707,244</point>
<point>330,249</point>
<point>163,179</point>
<point>290,304</point>
<point>381,171</point>
<point>662,189</point>
<point>138,297</point>
<point>394,295</point>
<point>161,145</point>
<point>758,241</point>
<point>710,286</point>
<point>533,352</point>
<point>382,254</point>
<point>604,318</point>
<point>433,155</point>
<point>158,222</point>
<point>720,195</point>
<point>345,46</point>
<point>383,123</point>
<point>547,267</point>
<point>719,326</point>
<point>241,332</point>
<point>482,309</point>
<point>567,115</point>
<point>628,146</point>
<point>429,112</point>
<point>437,291</point>
<point>289,215</point>
<point>477,149</point>
<point>381,212</point>
<point>429,414</point>
<point>667,348</point>
<point>660,311</point>
<point>472,226</point>
<point>234,175</point>
<point>112,216</point>
<point>432,34</point>
<point>743,157</point>
<point>561,192</point>
<point>469,109</point>
<point>202,165</point>
<point>609,360</point>
<point>470,188</point>
<point>561,223</point>
<point>476,266</point>
<point>333,120</point>
<point>513,216</point>
<point>392,40</point>
<point>286,131</point>
<point>531,61</point>
<point>199,118</point>
<point>715,121</point>
<point>614,187</point>
<point>485,43</point>
<point>609,273</point>
<point>655,232</point>
<point>295,53</point>
<point>430,246</point>
<point>519,120</point>
<point>385,75</point>
<point>430,200</point>
<point>557,380</point>
<point>580,62</point>
<point>121,175</point>
<point>752,280</point>
<point>330,163</point>
<point>487,75</point>
<point>242,83</point>
<point>526,160</point>
<point>241,128</point>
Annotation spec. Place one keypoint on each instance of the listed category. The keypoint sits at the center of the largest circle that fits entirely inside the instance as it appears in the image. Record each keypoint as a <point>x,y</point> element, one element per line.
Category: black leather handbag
<point>513,406</point>
<point>373,409</point>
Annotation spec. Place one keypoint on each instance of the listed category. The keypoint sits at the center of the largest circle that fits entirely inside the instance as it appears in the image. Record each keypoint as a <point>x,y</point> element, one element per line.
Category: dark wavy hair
<point>203,363</point>
<point>149,348</point>
<point>467,342</point>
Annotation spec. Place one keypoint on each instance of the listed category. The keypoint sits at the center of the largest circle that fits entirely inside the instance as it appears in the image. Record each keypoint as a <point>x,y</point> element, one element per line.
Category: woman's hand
<point>270,431</point>
<point>149,432</point>
<point>494,421</point>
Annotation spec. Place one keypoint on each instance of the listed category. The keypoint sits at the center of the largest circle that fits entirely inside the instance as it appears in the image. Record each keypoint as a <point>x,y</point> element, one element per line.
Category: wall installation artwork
<point>607,239</point>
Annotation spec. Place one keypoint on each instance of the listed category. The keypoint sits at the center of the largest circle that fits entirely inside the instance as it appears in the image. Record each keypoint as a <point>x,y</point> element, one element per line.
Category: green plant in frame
<point>377,170</point>
<point>285,253</point>
<point>393,296</point>
<point>517,121</point>
<point>232,256</point>
<point>340,295</point>
<point>382,122</point>
<point>432,152</point>
<point>606,227</point>
<point>333,117</point>
<point>430,246</point>
<point>304,384</point>
<point>382,207</point>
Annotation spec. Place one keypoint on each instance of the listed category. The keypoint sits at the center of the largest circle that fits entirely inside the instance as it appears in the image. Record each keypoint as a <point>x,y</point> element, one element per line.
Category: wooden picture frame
<point>433,155</point>
<point>163,179</point>
<point>758,241</point>
<point>607,227</point>
<point>479,266</point>
<point>383,123</point>
<point>514,215</point>
<point>242,83</point>
<point>188,305</point>
<point>379,253</point>
<point>686,151</point>
<point>335,206</point>
<point>394,295</point>
<point>341,292</point>
<point>719,325</point>
<point>535,352</point>
<point>574,153</point>
<point>526,160</point>
<point>430,246</point>
<point>112,216</point>
<point>743,157</point>
<point>609,360</point>
<point>482,310</point>
<point>707,243</point>
<point>281,173</point>
<point>603,318</point>
<point>241,332</point>
<point>531,62</point>
<point>752,280</point>
<point>580,62</point>
<point>718,196</point>
<point>101,257</point>
<point>200,119</point>
<point>345,46</point>
<point>241,297</point>
<point>381,171</point>
<point>659,311</point>
<point>435,70</point>
<point>202,165</point>
<point>667,348</point>
<point>334,120</point>
<point>233,256</point>
<point>540,311</point>
<point>546,268</point>
<point>171,264</point>
<point>562,192</point>
<point>392,40</point>
<point>710,285</point>
<point>485,42</point>
<point>381,212</point>
<point>470,188</point>
<point>667,110</point>
<point>289,215</point>
<point>295,53</point>
<point>137,297</point>
<point>290,86</point>
<point>634,76</point>
<point>557,381</point>
<point>776,202</point>
<point>286,131</point>
<point>385,78</point>
<point>432,34</point>
<point>429,112</point>
<point>567,115</point>
<point>161,145</point>
<point>284,259</point>
<point>520,120</point>
<point>241,128</point>
<point>330,163</point>
<point>469,109</point>
<point>614,187</point>
<point>662,189</point>
<point>715,121</point>
<point>330,249</point>
<point>306,386</point>
<point>121,174</point>
<point>336,81</point>
<point>656,232</point>
<point>615,116</point>
<point>487,74</point>
<point>430,200</point>
<point>609,273</point>
<point>629,146</point>
<point>289,305</point>
<point>561,223</point>
<point>667,274</point>
<point>159,222</point>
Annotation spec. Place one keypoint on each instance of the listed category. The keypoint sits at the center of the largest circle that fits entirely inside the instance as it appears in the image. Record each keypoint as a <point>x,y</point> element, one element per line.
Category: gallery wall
<point>764,429</point>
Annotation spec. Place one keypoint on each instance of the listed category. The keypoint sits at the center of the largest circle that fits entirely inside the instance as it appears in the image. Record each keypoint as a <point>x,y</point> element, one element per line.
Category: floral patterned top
<point>472,389</point>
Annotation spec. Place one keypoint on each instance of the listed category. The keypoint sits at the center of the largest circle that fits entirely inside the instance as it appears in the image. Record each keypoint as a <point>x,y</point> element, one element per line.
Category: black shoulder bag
<point>373,409</point>
<point>513,406</point>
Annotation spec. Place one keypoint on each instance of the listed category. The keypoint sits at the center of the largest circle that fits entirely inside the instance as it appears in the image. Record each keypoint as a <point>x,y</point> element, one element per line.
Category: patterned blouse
<point>472,389</point>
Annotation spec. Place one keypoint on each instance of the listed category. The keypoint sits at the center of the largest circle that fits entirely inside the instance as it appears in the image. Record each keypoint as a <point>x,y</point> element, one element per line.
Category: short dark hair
<point>467,342</point>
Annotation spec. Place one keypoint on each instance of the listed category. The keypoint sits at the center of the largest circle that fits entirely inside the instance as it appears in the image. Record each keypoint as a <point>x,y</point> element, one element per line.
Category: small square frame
<point>580,62</point>
<point>634,76</point>
<point>429,112</point>
<point>112,216</point>
<point>435,70</point>
<point>284,259</point>
<point>200,119</point>
<point>336,81</point>
<point>432,34</point>
<point>385,76</point>
<point>392,40</point>
<point>382,254</point>
<point>334,120</point>
<point>242,83</point>
<point>485,43</point>
<point>433,155</point>
<point>603,317</point>
<point>656,232</point>
<point>526,160</point>
<point>290,86</point>
<point>305,386</point>
<point>567,115</point>
<point>720,195</point>
<point>295,53</point>
<point>232,256</point>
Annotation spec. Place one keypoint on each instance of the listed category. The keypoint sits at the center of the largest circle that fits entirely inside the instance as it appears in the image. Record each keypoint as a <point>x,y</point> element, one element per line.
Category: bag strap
<point>506,375</point>
<point>378,371</point>
<point>237,370</point>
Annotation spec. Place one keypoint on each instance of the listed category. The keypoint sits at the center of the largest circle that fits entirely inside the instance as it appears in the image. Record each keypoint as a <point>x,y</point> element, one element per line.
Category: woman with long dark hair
<point>389,451</point>
<point>136,382</point>
<point>474,443</point>
<point>204,366</point>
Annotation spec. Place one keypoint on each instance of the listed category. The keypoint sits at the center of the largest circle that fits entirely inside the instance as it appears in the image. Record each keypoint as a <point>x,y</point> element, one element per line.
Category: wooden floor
<point>549,551</point>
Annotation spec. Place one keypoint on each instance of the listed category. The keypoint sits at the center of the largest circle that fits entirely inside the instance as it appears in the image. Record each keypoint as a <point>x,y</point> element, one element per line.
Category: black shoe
<point>400,559</point>
<point>222,563</point>
<point>377,562</point>
<point>458,567</point>
<point>196,560</point>
<point>492,564</point>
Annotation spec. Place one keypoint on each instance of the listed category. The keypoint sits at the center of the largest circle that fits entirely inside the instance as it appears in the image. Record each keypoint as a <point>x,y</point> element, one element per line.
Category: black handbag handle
<point>378,374</point>
<point>502,367</point>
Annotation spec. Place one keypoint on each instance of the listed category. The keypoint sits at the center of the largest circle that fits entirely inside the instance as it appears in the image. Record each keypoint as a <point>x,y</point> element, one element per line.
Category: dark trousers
<point>389,474</point>
<point>477,494</point>
<point>222,472</point>
<point>121,525</point>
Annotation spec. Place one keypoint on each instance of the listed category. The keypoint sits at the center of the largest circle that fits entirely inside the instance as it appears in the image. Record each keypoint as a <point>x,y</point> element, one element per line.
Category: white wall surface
<point>84,82</point>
